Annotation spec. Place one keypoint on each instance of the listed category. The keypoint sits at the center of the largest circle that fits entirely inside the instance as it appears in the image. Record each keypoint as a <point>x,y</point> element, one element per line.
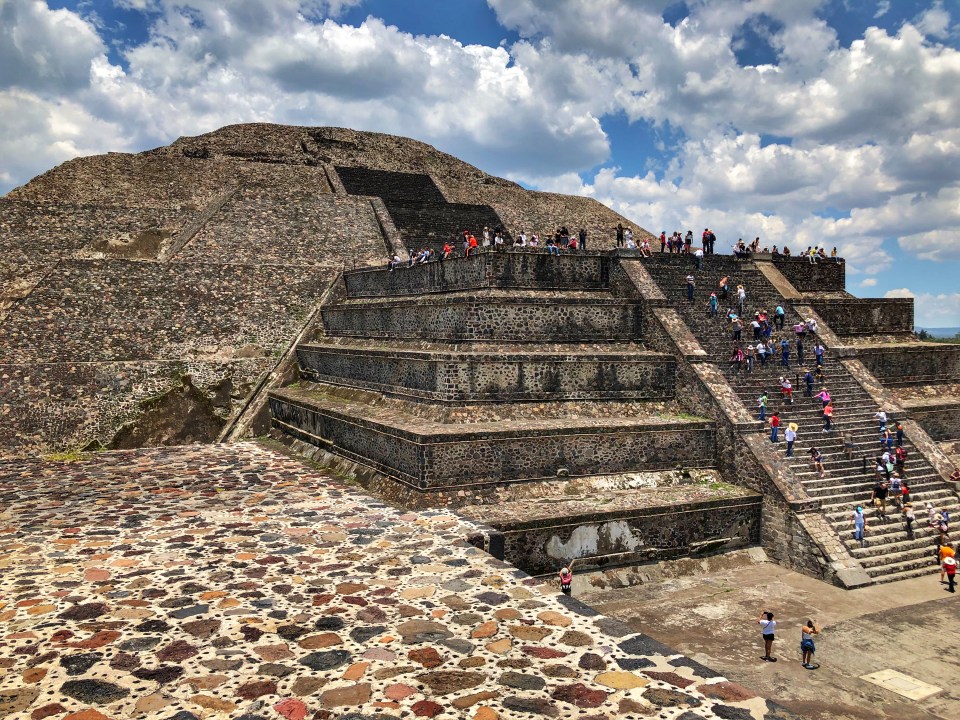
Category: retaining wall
<point>914,363</point>
<point>506,269</point>
<point>824,276</point>
<point>470,318</point>
<point>445,457</point>
<point>634,537</point>
<point>868,316</point>
<point>500,377</point>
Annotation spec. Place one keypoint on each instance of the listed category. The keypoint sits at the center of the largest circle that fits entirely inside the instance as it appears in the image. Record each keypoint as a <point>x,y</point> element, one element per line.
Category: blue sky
<point>809,121</point>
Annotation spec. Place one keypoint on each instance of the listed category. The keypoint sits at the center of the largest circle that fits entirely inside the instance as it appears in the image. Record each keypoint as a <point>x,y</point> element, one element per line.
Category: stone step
<point>840,515</point>
<point>848,499</point>
<point>492,376</point>
<point>440,457</point>
<point>891,577</point>
<point>887,551</point>
<point>895,568</point>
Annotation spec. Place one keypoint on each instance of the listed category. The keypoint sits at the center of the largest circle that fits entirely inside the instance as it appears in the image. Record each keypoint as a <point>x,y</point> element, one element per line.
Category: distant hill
<point>943,332</point>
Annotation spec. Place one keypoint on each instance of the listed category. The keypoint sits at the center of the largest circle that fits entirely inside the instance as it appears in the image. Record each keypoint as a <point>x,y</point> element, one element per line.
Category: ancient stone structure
<point>236,281</point>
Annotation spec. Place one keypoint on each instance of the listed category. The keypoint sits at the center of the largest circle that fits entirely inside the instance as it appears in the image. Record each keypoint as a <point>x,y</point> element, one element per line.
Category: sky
<point>799,121</point>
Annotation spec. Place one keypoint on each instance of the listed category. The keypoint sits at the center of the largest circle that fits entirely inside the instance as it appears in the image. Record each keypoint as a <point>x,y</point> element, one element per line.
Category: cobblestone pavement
<point>235,581</point>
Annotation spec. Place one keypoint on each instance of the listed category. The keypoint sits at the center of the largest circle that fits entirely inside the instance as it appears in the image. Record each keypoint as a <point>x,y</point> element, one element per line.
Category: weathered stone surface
<point>96,692</point>
<point>580,695</point>
<point>444,682</point>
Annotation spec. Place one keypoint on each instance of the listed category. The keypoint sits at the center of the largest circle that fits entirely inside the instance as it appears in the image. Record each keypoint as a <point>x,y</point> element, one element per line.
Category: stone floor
<point>708,610</point>
<point>235,581</point>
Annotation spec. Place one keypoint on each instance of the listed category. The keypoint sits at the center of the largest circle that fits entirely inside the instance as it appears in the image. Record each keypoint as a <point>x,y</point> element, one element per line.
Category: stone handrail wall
<point>506,269</point>
<point>480,318</point>
<point>867,316</point>
<point>913,363</point>
<point>471,457</point>
<point>825,275</point>
<point>499,377</point>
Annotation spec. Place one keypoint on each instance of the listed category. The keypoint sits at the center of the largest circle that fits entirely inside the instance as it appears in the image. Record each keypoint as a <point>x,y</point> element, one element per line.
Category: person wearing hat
<point>859,525</point>
<point>566,580</point>
<point>790,436</point>
<point>950,568</point>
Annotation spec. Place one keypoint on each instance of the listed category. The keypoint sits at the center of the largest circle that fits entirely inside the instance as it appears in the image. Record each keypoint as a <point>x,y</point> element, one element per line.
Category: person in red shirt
<point>471,244</point>
<point>447,250</point>
<point>774,426</point>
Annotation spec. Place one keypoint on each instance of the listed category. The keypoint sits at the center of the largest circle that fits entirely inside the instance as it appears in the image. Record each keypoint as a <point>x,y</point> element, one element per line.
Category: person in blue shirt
<point>779,316</point>
<point>785,354</point>
<point>808,379</point>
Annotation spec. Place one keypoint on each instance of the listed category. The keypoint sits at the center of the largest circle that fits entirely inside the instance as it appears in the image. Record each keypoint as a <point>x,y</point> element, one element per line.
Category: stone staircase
<point>890,553</point>
<point>418,208</point>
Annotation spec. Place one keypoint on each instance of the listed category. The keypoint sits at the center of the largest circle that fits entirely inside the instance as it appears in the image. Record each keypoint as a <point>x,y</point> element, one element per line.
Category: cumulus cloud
<point>931,310</point>
<point>855,146</point>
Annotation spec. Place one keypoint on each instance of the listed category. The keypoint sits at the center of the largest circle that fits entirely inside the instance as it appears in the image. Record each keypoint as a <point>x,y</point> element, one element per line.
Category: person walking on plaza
<point>768,629</point>
<point>859,526</point>
<point>807,646</point>
<point>950,568</point>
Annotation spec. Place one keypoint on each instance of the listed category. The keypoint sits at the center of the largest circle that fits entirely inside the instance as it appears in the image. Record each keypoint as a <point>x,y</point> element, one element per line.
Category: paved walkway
<point>234,581</point>
<point>909,626</point>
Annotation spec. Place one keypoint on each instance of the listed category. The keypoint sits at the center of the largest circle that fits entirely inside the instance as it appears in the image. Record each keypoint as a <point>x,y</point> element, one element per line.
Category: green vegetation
<point>927,337</point>
<point>68,456</point>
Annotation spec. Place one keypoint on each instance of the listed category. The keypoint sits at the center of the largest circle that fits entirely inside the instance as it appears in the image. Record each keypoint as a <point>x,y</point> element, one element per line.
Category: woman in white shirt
<point>768,627</point>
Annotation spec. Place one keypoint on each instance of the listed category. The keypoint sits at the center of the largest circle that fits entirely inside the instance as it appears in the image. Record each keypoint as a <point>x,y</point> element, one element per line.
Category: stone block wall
<point>431,224</point>
<point>867,316</point>
<point>824,276</point>
<point>506,269</point>
<point>940,420</point>
<point>480,318</point>
<point>58,406</point>
<point>289,226</point>
<point>641,535</point>
<point>34,236</point>
<point>494,377</point>
<point>914,363</point>
<point>465,457</point>
<point>393,187</point>
<point>115,310</point>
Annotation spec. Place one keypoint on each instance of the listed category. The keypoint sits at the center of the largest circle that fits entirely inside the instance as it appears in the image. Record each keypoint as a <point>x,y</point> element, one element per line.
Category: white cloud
<point>868,150</point>
<point>932,310</point>
<point>868,282</point>
<point>883,7</point>
<point>935,21</point>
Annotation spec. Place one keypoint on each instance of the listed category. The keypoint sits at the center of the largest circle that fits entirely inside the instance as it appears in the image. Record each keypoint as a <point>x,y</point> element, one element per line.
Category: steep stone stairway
<point>890,554</point>
<point>713,333</point>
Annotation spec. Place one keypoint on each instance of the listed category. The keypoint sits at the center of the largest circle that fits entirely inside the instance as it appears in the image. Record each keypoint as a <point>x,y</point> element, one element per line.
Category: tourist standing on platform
<point>762,405</point>
<point>699,256</point>
<point>768,629</point>
<point>807,646</point>
<point>619,235</point>
<point>583,239</point>
<point>775,426</point>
